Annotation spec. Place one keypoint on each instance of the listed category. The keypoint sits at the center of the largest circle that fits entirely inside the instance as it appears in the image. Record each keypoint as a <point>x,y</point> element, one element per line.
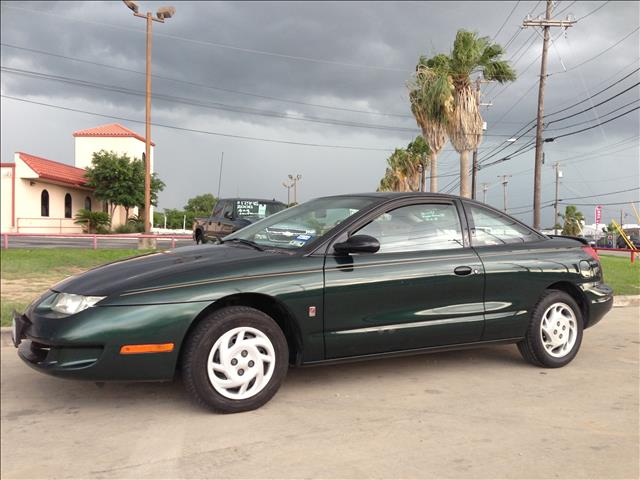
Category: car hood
<point>166,268</point>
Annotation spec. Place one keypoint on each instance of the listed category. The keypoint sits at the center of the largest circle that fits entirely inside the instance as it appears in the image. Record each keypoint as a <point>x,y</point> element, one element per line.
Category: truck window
<point>217,210</point>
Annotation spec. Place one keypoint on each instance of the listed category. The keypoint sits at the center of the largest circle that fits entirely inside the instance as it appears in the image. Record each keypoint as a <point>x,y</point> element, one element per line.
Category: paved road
<point>59,242</point>
<point>475,414</point>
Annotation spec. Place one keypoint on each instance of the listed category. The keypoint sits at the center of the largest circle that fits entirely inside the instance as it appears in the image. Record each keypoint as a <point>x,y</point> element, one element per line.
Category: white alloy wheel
<point>558,329</point>
<point>241,363</point>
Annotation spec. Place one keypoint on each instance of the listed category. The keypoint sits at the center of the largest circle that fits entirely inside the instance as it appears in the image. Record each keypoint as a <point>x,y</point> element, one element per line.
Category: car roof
<point>394,195</point>
<point>249,199</point>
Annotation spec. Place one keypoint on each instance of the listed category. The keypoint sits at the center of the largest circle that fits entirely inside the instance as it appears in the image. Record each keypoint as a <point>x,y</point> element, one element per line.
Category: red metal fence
<point>632,253</point>
<point>94,238</point>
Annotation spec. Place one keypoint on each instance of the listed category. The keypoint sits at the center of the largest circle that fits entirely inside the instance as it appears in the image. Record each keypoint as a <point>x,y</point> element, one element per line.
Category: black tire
<point>200,343</point>
<point>532,347</point>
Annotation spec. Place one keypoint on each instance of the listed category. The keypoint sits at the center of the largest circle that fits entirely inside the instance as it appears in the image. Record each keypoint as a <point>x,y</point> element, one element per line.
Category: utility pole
<point>474,163</point>
<point>220,175</point>
<point>288,187</point>
<point>485,187</point>
<point>558,177</point>
<point>161,15</point>
<point>505,181</point>
<point>545,23</point>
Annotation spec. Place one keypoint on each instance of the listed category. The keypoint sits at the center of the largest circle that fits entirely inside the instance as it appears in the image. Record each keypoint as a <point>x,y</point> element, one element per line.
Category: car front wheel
<point>555,332</point>
<point>235,360</point>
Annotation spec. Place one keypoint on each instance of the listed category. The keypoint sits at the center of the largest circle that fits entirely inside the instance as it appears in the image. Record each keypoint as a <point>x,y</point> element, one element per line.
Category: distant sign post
<point>598,215</point>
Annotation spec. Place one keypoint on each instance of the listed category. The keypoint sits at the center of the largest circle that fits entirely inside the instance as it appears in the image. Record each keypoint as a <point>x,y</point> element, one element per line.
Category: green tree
<point>430,97</point>
<point>403,167</point>
<point>119,180</point>
<point>201,204</point>
<point>452,97</point>
<point>573,220</point>
<point>92,222</point>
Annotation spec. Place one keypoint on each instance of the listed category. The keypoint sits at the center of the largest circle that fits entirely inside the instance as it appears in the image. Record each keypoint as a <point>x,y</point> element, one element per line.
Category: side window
<point>67,206</point>
<point>44,204</point>
<point>227,211</point>
<point>491,228</point>
<point>217,210</point>
<point>415,228</point>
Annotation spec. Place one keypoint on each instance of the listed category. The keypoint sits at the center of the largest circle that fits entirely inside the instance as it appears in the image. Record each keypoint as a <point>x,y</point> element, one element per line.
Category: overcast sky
<point>338,72</point>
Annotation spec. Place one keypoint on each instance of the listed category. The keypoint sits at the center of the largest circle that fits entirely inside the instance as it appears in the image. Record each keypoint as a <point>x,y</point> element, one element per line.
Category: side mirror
<point>357,244</point>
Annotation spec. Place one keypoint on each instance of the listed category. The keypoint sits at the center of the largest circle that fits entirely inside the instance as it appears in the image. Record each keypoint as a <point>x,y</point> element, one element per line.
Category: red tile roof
<point>110,130</point>
<point>56,171</point>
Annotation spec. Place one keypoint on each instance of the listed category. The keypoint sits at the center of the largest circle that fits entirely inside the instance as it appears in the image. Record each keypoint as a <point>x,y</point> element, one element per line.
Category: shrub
<point>92,222</point>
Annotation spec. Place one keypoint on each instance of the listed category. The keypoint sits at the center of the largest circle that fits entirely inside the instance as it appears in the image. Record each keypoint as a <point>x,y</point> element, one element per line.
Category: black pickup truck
<point>231,214</point>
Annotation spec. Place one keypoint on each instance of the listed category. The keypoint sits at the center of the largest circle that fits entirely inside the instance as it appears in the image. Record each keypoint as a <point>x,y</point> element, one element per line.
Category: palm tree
<point>471,54</point>
<point>419,151</point>
<point>403,167</point>
<point>573,220</point>
<point>430,97</point>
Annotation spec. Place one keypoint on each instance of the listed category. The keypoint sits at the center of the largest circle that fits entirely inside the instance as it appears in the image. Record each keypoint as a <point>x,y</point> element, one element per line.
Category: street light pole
<point>147,132</point>
<point>161,14</point>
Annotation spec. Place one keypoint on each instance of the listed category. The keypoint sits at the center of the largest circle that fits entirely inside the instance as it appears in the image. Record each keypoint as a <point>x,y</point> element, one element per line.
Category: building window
<point>87,203</point>
<point>67,206</point>
<point>44,204</point>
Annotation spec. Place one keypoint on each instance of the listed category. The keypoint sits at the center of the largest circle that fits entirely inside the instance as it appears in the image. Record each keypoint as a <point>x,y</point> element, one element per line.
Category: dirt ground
<point>481,413</point>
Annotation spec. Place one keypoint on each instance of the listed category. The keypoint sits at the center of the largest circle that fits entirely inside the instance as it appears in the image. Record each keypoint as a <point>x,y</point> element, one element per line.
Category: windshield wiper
<point>244,241</point>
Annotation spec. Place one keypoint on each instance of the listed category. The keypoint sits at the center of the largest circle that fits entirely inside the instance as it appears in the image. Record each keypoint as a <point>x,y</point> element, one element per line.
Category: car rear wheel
<point>235,360</point>
<point>555,333</point>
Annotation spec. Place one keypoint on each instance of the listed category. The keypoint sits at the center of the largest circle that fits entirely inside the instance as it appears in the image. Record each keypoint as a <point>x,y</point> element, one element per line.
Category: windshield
<point>257,210</point>
<point>298,226</point>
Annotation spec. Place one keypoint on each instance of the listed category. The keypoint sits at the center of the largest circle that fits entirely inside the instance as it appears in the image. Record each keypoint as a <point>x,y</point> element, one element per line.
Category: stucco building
<point>39,195</point>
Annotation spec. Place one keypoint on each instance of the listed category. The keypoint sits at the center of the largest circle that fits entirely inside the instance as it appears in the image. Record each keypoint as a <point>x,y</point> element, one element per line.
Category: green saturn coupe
<point>338,278</point>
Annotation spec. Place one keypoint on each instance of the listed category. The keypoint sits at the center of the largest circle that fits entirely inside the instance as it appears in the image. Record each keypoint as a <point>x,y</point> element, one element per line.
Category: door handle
<point>462,270</point>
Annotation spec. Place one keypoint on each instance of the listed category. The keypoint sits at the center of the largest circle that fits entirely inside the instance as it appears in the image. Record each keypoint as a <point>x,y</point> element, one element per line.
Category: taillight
<point>591,252</point>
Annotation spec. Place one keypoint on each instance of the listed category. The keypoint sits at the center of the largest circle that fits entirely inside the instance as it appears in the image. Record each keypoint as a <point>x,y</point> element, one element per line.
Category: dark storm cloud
<point>345,38</point>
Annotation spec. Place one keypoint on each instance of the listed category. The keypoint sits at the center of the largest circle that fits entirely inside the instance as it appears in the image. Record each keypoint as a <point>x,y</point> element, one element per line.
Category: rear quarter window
<point>492,228</point>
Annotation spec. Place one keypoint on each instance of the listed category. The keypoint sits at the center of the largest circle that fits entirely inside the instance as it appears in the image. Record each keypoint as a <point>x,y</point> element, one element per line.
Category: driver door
<point>423,288</point>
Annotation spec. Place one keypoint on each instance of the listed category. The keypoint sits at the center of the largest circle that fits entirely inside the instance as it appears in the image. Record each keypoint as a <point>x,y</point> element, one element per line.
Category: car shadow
<point>116,395</point>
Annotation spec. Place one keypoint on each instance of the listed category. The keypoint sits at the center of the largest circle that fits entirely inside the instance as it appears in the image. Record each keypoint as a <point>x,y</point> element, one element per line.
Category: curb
<point>618,302</point>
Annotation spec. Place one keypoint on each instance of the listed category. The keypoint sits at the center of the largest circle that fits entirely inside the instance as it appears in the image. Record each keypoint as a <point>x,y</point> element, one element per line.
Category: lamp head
<point>165,12</point>
<point>132,5</point>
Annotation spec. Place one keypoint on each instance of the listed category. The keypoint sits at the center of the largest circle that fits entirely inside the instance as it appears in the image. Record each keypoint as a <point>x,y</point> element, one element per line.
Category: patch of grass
<point>21,263</point>
<point>7,308</point>
<point>27,273</point>
<point>621,275</point>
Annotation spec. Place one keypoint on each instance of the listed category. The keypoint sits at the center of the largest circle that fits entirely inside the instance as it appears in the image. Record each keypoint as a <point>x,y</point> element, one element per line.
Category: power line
<point>551,139</point>
<point>595,94</point>
<point>506,20</point>
<point>193,130</point>
<point>214,105</point>
<point>217,45</point>
<point>596,105</point>
<point>599,54</point>
<point>202,85</point>
<point>591,12</point>
<point>591,119</point>
<point>601,194</point>
<point>531,123</point>
<point>199,103</point>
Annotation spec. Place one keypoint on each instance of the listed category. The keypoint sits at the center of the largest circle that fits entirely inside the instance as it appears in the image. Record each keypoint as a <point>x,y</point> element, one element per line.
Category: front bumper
<point>87,345</point>
<point>600,301</point>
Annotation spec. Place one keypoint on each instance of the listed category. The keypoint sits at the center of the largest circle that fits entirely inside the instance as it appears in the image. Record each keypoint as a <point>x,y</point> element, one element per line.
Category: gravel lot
<point>475,414</point>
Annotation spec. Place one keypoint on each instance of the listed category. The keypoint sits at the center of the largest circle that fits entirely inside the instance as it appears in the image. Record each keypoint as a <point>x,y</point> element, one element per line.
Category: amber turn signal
<point>148,348</point>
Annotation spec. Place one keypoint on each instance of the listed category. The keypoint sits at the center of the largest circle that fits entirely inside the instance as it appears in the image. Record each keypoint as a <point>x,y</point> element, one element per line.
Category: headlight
<point>69,303</point>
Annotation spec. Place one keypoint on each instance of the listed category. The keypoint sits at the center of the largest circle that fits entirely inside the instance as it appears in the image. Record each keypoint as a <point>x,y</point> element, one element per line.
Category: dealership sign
<point>598,214</point>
